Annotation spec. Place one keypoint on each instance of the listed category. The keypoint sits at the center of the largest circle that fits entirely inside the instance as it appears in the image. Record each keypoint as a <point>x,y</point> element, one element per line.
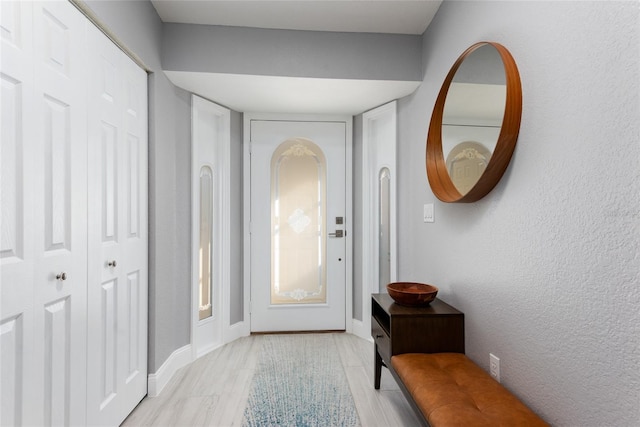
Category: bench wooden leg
<point>378,369</point>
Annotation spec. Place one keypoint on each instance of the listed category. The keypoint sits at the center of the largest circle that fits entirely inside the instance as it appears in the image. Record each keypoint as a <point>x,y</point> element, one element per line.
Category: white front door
<point>298,225</point>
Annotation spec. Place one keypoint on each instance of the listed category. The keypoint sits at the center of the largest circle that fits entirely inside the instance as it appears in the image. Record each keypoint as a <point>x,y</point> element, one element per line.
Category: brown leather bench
<point>450,390</point>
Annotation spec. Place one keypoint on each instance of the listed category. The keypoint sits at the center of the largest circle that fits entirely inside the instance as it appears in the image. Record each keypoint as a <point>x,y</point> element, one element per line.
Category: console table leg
<point>378,369</point>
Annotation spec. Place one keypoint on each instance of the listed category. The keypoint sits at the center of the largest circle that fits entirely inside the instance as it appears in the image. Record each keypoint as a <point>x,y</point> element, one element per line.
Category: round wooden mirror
<point>475,123</point>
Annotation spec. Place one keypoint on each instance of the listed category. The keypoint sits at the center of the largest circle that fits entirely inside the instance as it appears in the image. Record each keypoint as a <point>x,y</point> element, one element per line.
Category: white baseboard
<point>183,356</point>
<point>158,380</point>
<point>361,329</point>
<point>206,350</point>
<point>235,331</point>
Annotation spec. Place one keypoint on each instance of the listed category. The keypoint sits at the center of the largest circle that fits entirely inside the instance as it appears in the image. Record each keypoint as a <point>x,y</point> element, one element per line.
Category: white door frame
<point>379,139</point>
<point>210,123</point>
<point>348,226</point>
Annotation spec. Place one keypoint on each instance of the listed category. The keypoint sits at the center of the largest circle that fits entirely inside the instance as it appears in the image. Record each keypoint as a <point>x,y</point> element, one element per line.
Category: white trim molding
<point>379,139</point>
<point>211,147</point>
<point>158,380</point>
<point>237,330</point>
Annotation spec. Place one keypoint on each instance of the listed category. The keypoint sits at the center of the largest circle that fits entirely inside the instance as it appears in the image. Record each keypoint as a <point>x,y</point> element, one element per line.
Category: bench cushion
<point>451,390</point>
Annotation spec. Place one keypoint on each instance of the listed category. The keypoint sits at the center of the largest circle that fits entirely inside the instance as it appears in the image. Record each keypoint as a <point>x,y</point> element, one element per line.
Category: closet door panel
<point>12,372</point>
<point>17,260</point>
<point>44,205</point>
<point>57,362</point>
<point>109,171</point>
<point>15,89</point>
<point>43,249</point>
<point>117,234</point>
<point>135,245</point>
<point>60,215</point>
<point>105,153</point>
<point>16,233</point>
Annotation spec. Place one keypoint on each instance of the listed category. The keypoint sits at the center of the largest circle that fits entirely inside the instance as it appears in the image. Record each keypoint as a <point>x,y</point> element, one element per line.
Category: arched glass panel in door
<point>384,229</point>
<point>205,247</point>
<point>298,223</point>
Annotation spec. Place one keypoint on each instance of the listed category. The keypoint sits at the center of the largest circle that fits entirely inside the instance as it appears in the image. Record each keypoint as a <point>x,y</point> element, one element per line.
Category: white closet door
<point>44,333</point>
<point>117,308</point>
<point>17,258</point>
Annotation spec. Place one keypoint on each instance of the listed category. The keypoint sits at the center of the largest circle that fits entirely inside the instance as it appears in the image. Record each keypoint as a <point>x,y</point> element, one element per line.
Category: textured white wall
<point>547,266</point>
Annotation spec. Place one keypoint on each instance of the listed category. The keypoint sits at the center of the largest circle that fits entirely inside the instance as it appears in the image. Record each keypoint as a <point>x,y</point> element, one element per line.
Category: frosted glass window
<point>298,223</point>
<point>384,230</point>
<point>206,236</point>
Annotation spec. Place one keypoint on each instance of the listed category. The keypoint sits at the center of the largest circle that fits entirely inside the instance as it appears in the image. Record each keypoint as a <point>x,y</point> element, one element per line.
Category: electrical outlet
<point>428,212</point>
<point>494,367</point>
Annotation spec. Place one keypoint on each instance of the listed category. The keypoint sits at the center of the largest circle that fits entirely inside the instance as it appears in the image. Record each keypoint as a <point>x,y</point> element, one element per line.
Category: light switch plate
<point>494,366</point>
<point>428,212</point>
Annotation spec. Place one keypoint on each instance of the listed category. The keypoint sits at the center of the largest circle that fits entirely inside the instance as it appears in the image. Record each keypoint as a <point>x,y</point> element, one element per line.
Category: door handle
<point>338,233</point>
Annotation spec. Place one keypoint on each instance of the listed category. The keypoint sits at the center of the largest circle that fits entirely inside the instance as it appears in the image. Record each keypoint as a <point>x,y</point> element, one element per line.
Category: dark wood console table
<point>436,328</point>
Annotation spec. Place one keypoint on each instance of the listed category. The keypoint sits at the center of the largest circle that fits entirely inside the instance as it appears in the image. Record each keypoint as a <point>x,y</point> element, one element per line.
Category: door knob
<point>112,263</point>
<point>338,233</point>
<point>61,276</point>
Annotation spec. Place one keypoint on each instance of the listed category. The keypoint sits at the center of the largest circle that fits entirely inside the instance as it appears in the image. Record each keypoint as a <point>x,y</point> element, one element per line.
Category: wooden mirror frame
<point>437,173</point>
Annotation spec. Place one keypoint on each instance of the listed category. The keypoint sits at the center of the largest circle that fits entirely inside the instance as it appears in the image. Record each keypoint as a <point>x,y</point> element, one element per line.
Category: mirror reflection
<point>482,96</point>
<point>472,117</point>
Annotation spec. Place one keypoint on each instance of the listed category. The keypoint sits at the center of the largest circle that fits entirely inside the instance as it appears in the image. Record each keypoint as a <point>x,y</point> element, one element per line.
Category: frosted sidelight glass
<point>384,230</point>
<point>298,223</point>
<point>206,237</point>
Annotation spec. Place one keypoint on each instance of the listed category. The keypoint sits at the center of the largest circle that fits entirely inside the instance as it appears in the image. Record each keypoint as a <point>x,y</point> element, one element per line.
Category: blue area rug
<point>299,381</point>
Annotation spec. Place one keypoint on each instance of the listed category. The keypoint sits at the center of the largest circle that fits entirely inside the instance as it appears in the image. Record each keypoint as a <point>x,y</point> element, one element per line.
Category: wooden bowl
<point>412,294</point>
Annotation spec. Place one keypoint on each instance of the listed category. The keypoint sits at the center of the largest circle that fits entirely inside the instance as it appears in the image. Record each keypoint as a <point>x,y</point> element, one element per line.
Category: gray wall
<point>357,215</point>
<point>236,295</point>
<point>138,26</point>
<point>236,50</point>
<point>546,267</point>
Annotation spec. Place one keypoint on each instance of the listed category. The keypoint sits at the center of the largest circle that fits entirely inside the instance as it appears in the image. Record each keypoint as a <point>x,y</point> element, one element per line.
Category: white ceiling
<point>273,94</point>
<point>299,95</point>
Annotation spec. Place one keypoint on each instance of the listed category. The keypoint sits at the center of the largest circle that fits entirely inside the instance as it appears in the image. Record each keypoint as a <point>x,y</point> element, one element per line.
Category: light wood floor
<point>213,390</point>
